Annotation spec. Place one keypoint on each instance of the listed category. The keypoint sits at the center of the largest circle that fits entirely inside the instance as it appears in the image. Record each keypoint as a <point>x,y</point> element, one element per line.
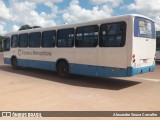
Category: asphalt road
<point>39,90</point>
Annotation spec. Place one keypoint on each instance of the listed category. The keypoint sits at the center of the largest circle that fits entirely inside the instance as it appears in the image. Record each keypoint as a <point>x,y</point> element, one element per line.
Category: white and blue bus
<point>158,46</point>
<point>119,46</point>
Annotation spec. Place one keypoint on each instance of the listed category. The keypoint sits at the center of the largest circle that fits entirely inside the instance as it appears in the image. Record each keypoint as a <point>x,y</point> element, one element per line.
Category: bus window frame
<point>12,41</point>
<point>4,46</point>
<point>137,29</point>
<point>97,41</point>
<point>124,35</point>
<point>73,41</point>
<point>55,39</point>
<point>27,40</point>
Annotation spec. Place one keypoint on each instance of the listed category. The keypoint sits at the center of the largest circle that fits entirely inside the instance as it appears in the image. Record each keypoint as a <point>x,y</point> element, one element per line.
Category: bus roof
<point>82,23</point>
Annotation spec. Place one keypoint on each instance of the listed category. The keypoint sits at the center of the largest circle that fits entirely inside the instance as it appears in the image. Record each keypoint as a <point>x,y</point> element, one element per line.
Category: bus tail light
<point>155,57</point>
<point>133,58</point>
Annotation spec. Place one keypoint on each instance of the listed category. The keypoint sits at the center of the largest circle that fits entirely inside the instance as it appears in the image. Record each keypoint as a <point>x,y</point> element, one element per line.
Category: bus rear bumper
<point>134,71</point>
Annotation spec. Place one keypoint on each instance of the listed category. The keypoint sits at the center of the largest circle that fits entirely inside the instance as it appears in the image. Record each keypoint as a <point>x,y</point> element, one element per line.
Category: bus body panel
<point>97,61</point>
<point>85,61</point>
<point>144,57</point>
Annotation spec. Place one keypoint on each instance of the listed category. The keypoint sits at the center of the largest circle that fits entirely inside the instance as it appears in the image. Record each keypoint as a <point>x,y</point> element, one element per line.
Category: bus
<point>157,46</point>
<point>120,46</point>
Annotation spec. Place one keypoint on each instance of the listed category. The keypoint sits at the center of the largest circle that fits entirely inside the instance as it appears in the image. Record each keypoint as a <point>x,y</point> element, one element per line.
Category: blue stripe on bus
<point>46,65</point>
<point>98,71</point>
<point>7,61</point>
<point>80,69</point>
<point>88,70</point>
<point>134,71</point>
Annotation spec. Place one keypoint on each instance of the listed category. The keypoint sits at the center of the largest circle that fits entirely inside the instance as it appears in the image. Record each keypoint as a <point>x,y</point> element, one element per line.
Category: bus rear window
<point>144,28</point>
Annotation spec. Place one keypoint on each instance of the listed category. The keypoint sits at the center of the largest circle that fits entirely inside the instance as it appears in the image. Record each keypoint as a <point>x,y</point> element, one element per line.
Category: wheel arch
<point>60,60</point>
<point>13,56</point>
<point>14,62</point>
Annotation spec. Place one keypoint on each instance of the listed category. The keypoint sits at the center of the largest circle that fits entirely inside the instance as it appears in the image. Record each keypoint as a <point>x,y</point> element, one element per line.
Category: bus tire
<point>63,69</point>
<point>14,63</point>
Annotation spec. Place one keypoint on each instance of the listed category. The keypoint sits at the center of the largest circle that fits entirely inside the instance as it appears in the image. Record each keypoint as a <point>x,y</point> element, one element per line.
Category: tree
<point>36,27</point>
<point>24,27</point>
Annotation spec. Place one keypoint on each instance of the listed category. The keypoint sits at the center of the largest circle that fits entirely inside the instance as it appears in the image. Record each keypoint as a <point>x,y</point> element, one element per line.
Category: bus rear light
<point>134,60</point>
<point>155,57</point>
<point>133,56</point>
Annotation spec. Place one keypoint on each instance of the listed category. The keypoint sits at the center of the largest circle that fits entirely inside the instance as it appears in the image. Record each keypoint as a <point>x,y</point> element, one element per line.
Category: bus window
<point>87,36</point>
<point>48,38</point>
<point>6,44</point>
<point>14,41</point>
<point>112,35</point>
<point>144,28</point>
<point>23,40</point>
<point>158,44</point>
<point>34,39</point>
<point>65,37</point>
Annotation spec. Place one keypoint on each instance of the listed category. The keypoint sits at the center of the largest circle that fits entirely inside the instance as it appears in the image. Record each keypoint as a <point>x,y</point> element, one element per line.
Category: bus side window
<point>158,44</point>
<point>14,41</point>
<point>34,39</point>
<point>112,34</point>
<point>87,36</point>
<point>23,40</point>
<point>6,44</point>
<point>65,37</point>
<point>48,38</point>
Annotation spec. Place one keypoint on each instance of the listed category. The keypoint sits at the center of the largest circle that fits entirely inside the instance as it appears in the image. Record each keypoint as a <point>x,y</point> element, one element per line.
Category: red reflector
<point>133,56</point>
<point>134,60</point>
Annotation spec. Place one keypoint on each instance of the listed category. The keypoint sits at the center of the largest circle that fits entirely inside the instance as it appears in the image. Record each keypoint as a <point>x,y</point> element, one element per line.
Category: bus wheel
<point>63,69</point>
<point>14,63</point>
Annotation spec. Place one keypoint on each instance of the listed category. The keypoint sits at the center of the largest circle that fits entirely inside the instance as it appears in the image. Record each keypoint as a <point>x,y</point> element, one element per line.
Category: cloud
<point>48,3</point>
<point>75,12</point>
<point>150,8</point>
<point>2,31</point>
<point>15,28</point>
<point>25,13</point>
<point>4,12</point>
<point>112,3</point>
<point>145,7</point>
<point>157,20</point>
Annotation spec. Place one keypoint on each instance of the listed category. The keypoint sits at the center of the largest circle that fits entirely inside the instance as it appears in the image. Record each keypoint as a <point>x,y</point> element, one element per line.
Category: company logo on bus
<point>34,52</point>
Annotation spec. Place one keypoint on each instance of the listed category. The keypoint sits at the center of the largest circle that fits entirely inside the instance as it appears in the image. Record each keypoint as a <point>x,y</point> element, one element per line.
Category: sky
<point>45,13</point>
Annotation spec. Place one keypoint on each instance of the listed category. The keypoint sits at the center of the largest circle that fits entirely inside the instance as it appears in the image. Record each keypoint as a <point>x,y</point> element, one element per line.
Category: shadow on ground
<point>75,80</point>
